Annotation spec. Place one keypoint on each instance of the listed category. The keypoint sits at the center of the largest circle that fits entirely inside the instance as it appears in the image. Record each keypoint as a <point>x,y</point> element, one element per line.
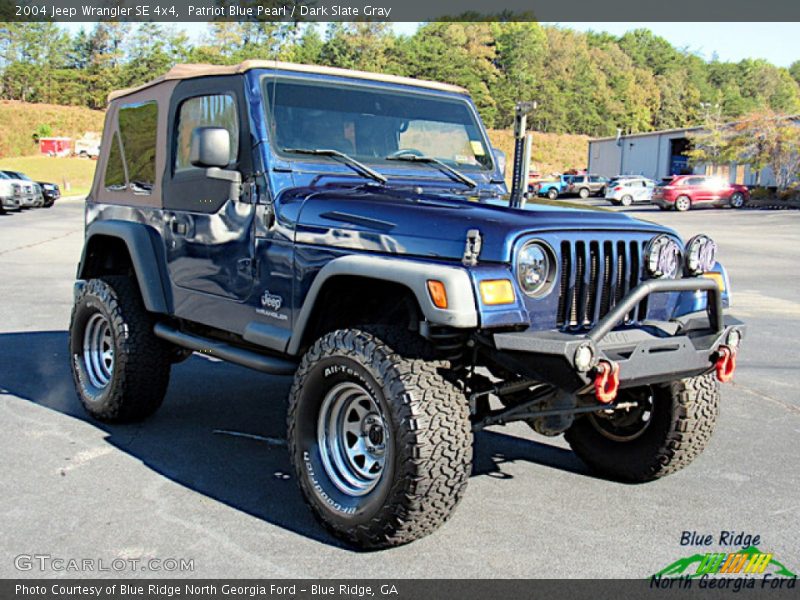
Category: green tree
<point>767,139</point>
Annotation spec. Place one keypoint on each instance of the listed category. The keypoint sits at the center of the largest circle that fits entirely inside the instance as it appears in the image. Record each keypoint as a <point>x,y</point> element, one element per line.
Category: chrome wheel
<point>627,424</point>
<point>353,439</point>
<point>98,351</point>
<point>737,200</point>
<point>683,203</point>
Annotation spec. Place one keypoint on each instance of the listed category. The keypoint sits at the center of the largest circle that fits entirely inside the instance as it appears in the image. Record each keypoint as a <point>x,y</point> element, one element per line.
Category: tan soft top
<point>190,71</point>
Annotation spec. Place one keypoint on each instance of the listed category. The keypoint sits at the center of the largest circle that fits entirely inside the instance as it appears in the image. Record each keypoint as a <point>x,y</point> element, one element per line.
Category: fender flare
<point>461,311</point>
<point>147,257</point>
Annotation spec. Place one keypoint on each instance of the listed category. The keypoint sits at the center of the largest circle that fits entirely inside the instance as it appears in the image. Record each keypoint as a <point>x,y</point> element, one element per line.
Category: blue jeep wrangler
<point>353,230</point>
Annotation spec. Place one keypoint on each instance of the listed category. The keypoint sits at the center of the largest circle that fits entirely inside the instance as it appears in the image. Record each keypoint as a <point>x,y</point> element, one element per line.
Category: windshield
<point>372,124</point>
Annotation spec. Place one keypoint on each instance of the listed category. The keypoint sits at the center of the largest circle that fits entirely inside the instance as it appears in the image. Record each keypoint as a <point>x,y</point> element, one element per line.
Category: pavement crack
<point>40,242</point>
<point>782,403</point>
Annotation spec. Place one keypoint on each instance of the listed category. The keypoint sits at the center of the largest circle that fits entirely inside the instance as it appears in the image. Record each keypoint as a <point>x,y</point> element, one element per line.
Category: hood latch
<point>472,248</point>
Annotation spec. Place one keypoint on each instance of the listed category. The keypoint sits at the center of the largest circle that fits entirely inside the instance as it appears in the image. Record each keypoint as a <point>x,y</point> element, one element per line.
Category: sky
<point>779,43</point>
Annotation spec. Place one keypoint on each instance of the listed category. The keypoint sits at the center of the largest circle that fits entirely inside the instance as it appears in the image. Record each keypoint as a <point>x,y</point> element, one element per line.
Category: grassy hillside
<point>552,152</point>
<point>73,175</point>
<point>21,120</point>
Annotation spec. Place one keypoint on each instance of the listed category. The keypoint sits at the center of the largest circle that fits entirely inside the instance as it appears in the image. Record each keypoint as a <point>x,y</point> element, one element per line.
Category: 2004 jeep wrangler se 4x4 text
<point>354,230</point>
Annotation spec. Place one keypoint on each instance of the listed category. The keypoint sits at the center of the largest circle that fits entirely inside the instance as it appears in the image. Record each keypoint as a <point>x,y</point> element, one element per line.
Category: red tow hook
<point>606,381</point>
<point>726,364</point>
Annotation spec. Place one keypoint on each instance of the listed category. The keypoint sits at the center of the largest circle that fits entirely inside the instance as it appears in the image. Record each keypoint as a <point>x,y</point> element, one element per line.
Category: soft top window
<point>132,156</point>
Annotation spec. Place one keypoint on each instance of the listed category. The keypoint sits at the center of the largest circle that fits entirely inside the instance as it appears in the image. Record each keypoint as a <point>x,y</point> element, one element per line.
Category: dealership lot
<point>187,485</point>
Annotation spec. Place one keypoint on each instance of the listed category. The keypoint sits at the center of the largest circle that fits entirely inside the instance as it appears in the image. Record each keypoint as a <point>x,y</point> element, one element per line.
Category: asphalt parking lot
<point>178,486</point>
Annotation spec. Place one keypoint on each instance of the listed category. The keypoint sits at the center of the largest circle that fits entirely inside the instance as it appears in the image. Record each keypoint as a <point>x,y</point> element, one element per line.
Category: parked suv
<point>627,190</point>
<point>587,185</point>
<point>690,191</point>
<point>353,230</point>
<point>29,195</point>
<point>10,194</point>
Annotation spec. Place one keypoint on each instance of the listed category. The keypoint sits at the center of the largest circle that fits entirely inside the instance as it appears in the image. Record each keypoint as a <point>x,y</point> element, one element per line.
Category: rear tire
<point>682,419</point>
<point>626,200</point>
<point>683,203</point>
<point>380,442</point>
<point>552,193</point>
<point>119,367</point>
<point>583,193</point>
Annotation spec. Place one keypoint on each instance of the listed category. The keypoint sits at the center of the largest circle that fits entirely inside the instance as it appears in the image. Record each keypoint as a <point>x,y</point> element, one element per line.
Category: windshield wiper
<point>351,162</point>
<point>457,175</point>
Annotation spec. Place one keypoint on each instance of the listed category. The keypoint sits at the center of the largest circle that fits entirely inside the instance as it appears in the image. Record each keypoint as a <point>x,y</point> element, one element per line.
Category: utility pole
<point>523,144</point>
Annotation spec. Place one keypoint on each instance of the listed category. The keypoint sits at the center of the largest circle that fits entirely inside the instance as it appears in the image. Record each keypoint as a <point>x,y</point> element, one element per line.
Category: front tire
<point>552,193</point>
<point>583,193</point>
<point>119,367</point>
<point>629,447</point>
<point>737,200</point>
<point>381,443</point>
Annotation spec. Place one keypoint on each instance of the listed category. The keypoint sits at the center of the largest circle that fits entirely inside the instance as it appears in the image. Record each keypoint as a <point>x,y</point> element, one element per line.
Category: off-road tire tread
<point>695,408</point>
<point>141,371</point>
<point>435,456</point>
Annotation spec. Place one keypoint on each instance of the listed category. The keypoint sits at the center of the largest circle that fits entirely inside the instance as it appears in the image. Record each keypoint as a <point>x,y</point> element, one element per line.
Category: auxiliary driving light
<point>663,257</point>
<point>701,254</point>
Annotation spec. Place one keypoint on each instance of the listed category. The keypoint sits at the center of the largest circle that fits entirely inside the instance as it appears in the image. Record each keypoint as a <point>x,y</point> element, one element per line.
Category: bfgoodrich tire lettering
<point>136,380</point>
<point>684,414</point>
<point>429,440</point>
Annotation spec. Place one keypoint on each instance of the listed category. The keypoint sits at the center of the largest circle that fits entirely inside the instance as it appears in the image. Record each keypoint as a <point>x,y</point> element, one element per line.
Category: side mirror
<point>210,147</point>
<point>500,157</point>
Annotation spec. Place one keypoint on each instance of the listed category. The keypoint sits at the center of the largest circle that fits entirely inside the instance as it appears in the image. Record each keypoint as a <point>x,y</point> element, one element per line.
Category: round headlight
<point>535,269</point>
<point>663,257</point>
<point>701,254</point>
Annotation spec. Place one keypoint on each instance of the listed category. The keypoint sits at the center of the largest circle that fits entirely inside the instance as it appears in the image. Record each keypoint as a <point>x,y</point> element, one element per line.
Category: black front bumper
<point>647,353</point>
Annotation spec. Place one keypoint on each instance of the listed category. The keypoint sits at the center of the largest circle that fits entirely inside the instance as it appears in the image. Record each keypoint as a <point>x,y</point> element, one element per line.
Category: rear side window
<point>132,156</point>
<point>218,110</point>
<point>115,169</point>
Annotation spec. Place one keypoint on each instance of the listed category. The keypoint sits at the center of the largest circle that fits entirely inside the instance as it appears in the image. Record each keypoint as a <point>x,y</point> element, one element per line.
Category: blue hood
<point>404,221</point>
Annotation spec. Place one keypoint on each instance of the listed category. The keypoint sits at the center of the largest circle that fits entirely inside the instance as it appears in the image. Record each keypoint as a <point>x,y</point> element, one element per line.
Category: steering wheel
<point>405,151</point>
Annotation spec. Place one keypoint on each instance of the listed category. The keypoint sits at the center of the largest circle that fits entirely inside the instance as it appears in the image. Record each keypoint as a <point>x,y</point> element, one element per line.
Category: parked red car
<point>689,191</point>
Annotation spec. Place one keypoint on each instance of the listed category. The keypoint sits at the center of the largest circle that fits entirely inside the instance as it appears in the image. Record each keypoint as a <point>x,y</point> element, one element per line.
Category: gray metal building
<point>659,154</point>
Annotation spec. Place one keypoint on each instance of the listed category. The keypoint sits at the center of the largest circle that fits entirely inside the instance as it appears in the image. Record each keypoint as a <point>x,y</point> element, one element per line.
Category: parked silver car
<point>628,189</point>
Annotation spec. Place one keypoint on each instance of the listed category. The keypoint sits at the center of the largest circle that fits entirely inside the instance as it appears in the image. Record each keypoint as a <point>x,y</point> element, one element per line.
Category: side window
<point>204,111</point>
<point>138,124</point>
<point>114,178</point>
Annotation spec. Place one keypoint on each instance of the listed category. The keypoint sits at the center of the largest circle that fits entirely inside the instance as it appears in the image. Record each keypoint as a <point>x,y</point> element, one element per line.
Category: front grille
<point>595,275</point>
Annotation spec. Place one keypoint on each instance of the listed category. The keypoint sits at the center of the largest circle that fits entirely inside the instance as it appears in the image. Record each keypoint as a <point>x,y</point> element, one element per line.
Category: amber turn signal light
<point>497,291</point>
<point>438,293</point>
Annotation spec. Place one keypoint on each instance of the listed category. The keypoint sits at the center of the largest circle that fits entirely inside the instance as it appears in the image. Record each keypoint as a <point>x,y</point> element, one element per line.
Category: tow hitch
<point>606,382</point>
<point>726,364</point>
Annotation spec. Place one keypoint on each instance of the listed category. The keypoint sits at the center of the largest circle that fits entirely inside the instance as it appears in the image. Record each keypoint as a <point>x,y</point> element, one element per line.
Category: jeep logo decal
<point>271,301</point>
